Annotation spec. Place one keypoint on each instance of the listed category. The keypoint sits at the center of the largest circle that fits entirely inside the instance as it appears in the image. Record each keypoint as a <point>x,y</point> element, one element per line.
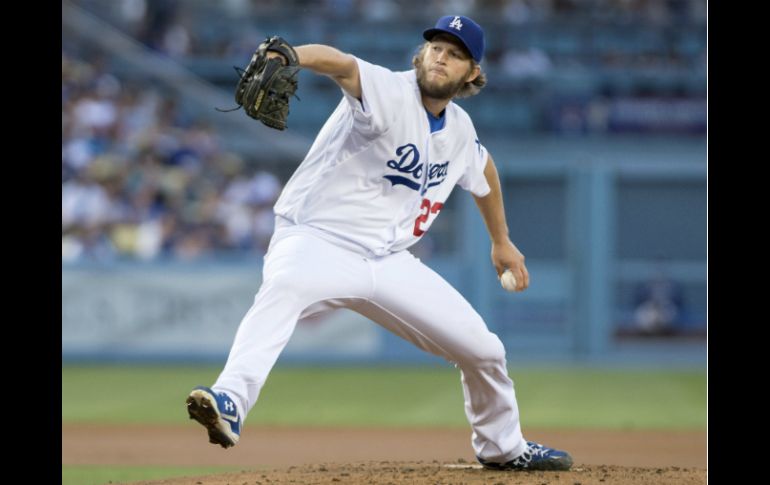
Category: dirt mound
<point>420,473</point>
<point>383,456</point>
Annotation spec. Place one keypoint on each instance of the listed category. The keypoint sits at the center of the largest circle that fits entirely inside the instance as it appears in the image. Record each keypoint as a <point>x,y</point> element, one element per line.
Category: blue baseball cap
<point>465,29</point>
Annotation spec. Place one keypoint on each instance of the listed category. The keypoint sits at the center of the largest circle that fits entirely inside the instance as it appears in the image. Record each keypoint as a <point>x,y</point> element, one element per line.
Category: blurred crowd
<point>190,29</point>
<point>564,66</point>
<point>141,181</point>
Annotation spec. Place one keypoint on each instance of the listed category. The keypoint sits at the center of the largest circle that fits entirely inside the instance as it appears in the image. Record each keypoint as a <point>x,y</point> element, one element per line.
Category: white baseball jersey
<point>376,177</point>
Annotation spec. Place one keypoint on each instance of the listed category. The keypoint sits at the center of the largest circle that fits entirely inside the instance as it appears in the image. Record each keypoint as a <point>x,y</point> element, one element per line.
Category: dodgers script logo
<point>408,162</point>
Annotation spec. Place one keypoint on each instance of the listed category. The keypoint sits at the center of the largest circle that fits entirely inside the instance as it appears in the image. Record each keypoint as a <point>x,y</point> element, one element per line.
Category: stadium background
<point>595,112</point>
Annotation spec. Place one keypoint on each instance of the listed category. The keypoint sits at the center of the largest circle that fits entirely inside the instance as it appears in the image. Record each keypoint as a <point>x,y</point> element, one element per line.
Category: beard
<point>437,90</point>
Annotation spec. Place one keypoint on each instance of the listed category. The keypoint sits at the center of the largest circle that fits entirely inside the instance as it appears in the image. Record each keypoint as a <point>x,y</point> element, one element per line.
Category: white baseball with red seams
<point>508,281</point>
<point>373,182</point>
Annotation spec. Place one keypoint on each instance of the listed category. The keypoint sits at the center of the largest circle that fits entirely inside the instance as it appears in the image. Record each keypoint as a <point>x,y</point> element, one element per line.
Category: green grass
<point>406,397</point>
<point>98,475</point>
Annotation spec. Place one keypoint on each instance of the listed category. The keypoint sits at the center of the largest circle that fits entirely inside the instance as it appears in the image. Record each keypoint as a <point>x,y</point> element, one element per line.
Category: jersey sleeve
<point>473,180</point>
<point>382,93</point>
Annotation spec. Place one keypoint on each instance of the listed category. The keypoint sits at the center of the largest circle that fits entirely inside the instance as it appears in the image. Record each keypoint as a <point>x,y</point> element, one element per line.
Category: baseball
<point>508,281</point>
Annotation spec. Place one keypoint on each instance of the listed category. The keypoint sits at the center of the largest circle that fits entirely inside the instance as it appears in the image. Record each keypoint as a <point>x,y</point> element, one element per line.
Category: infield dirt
<point>386,456</point>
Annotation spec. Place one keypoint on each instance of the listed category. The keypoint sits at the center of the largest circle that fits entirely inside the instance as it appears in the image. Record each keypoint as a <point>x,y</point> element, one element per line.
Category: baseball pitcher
<point>373,182</point>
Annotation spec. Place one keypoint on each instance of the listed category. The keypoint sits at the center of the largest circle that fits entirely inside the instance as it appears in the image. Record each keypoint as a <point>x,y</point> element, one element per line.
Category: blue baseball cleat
<point>536,457</point>
<point>218,413</point>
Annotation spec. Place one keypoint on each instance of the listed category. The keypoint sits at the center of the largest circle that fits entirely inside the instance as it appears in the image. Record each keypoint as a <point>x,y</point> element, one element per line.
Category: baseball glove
<point>267,84</point>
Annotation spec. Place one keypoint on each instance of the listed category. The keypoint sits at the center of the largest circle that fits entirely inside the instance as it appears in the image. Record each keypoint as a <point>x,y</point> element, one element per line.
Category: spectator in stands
<point>658,305</point>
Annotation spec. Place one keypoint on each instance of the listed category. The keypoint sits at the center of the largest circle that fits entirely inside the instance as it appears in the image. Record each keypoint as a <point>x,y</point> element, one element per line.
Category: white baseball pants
<point>305,274</point>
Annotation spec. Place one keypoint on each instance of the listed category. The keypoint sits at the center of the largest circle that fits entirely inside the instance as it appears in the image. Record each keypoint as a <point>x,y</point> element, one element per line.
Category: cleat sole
<point>201,409</point>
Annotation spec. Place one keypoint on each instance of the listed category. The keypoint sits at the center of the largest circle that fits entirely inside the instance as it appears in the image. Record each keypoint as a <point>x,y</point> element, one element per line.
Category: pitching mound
<point>386,456</point>
<point>447,473</point>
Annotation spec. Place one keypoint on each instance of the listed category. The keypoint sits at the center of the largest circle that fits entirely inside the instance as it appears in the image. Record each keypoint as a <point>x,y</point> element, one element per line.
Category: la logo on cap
<point>465,29</point>
<point>455,23</point>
